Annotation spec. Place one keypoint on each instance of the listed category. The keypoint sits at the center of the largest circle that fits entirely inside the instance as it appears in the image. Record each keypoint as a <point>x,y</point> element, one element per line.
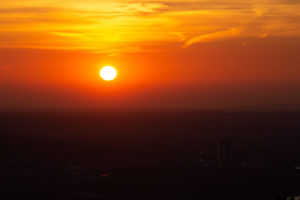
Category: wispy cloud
<point>113,25</point>
<point>219,35</point>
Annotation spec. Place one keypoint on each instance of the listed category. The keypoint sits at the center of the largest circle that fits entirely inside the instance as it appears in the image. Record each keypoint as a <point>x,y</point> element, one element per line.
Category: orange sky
<point>170,54</point>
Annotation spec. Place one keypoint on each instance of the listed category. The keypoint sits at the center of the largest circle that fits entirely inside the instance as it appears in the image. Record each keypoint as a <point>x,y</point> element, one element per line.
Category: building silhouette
<point>223,153</point>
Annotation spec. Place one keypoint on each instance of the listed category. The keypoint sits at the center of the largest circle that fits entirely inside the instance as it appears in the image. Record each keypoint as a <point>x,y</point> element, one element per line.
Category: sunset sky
<point>170,54</point>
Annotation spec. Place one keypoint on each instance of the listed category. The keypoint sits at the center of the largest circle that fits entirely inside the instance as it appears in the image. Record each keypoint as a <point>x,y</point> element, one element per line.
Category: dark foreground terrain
<point>186,155</point>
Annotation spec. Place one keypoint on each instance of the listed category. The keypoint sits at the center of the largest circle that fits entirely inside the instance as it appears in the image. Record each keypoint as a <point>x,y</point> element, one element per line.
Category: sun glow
<point>108,73</point>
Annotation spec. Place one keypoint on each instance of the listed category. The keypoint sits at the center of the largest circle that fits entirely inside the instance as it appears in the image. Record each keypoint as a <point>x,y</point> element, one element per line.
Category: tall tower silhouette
<point>223,152</point>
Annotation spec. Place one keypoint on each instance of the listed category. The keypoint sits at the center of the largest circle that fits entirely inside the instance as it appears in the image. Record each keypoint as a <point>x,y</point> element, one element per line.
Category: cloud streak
<point>114,25</point>
<point>219,35</point>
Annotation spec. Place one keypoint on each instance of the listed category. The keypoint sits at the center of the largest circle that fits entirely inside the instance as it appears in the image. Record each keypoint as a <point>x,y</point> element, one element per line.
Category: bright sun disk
<point>108,73</point>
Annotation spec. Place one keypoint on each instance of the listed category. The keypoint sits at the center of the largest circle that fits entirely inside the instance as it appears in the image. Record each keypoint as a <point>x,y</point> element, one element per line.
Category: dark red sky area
<point>240,74</point>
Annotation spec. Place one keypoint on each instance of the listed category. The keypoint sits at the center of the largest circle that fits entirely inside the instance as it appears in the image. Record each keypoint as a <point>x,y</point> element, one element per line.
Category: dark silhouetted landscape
<point>150,155</point>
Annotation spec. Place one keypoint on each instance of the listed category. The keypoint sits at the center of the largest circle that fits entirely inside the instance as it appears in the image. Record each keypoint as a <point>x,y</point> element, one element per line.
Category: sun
<point>108,73</point>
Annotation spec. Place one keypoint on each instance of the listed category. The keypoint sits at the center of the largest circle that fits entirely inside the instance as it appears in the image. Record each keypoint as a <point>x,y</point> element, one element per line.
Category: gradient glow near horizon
<point>171,53</point>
